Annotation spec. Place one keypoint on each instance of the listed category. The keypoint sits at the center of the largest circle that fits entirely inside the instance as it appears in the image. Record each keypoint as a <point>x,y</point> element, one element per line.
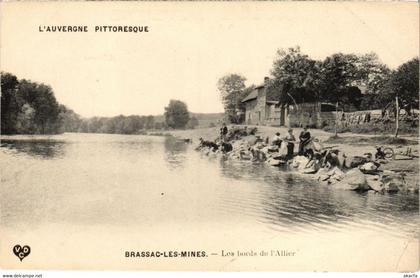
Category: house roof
<point>251,96</point>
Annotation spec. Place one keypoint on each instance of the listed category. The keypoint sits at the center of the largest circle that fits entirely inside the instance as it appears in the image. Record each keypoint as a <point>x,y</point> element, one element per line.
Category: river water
<point>83,200</point>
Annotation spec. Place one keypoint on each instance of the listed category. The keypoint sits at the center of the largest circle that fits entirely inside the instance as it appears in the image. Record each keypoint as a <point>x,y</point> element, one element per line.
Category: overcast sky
<point>188,47</point>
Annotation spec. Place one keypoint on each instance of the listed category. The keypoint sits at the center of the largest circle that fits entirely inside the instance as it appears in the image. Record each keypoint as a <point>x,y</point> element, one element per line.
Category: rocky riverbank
<point>351,165</point>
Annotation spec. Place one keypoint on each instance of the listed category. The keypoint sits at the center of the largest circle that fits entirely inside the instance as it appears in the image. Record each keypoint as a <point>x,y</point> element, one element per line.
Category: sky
<point>189,46</point>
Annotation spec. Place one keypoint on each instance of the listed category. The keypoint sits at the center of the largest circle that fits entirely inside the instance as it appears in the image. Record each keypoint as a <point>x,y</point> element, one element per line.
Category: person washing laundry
<point>290,140</point>
<point>304,138</point>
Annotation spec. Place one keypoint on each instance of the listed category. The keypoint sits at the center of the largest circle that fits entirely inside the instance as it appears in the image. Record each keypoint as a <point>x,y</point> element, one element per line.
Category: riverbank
<point>349,143</point>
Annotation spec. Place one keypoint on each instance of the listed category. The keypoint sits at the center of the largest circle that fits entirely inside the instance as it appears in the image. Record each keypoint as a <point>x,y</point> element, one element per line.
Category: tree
<point>70,121</point>
<point>25,120</point>
<point>231,88</point>
<point>404,84</point>
<point>176,114</point>
<point>294,77</point>
<point>28,107</point>
<point>339,71</point>
<point>9,104</point>
<point>192,123</point>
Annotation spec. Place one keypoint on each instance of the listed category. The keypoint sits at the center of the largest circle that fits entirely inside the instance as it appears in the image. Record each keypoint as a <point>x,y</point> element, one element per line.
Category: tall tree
<point>9,103</point>
<point>404,84</point>
<point>294,76</point>
<point>28,107</point>
<point>176,114</point>
<point>231,88</point>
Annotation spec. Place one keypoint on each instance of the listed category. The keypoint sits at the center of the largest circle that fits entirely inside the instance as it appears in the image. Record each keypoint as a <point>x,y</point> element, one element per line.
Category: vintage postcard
<point>209,136</point>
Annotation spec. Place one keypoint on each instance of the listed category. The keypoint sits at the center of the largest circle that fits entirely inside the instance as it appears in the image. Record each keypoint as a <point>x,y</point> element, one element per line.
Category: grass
<point>378,140</point>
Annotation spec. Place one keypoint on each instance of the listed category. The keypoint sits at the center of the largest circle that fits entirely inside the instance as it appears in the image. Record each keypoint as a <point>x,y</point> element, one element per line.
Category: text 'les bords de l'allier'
<point>98,28</point>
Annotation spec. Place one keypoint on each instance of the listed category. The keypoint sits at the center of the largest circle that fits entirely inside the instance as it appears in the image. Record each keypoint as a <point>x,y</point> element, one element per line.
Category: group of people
<point>290,140</point>
<point>277,141</point>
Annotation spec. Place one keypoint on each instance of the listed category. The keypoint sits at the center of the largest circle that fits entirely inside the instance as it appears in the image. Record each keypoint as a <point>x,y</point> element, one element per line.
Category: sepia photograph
<point>209,136</point>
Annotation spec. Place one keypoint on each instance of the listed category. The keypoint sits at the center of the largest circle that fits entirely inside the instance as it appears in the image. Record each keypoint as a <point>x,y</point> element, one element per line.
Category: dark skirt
<point>290,150</point>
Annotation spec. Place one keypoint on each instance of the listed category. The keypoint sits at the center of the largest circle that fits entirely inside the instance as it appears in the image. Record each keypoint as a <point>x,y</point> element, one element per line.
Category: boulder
<point>375,183</point>
<point>336,174</point>
<point>300,162</point>
<point>322,175</point>
<point>393,181</point>
<point>353,180</point>
<point>369,167</point>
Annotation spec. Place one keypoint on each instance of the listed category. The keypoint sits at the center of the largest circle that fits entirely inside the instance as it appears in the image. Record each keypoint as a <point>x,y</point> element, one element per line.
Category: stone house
<point>261,111</point>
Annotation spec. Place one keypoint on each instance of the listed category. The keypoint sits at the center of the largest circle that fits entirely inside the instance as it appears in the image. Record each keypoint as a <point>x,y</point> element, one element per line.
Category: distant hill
<point>204,119</point>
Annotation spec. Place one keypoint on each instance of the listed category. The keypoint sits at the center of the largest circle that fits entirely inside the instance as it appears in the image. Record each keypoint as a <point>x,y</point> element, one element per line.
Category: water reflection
<point>289,201</point>
<point>175,152</point>
<point>116,175</point>
<point>45,149</point>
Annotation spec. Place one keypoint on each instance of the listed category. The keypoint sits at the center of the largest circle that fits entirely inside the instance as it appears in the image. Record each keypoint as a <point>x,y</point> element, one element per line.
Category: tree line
<point>31,108</point>
<point>28,107</point>
<point>354,82</point>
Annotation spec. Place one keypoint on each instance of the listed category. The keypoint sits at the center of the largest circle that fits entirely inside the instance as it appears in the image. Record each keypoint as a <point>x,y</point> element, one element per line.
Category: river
<point>83,200</point>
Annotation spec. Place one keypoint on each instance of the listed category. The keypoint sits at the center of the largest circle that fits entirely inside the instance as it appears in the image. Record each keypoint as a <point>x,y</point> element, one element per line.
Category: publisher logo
<point>21,252</point>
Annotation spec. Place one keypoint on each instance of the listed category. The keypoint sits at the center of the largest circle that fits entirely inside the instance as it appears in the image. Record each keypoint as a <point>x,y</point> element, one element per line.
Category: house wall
<point>250,108</point>
<point>256,112</point>
<point>261,105</point>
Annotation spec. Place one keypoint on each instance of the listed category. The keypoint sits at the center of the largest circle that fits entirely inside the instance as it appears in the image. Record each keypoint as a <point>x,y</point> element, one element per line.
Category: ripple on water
<point>232,191</point>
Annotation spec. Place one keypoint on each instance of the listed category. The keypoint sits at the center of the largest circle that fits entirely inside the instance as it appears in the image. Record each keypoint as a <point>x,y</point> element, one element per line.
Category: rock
<point>391,187</point>
<point>275,162</point>
<point>353,180</point>
<point>375,183</point>
<point>394,182</point>
<point>300,162</point>
<point>323,177</point>
<point>311,170</point>
<point>278,156</point>
<point>321,174</point>
<point>369,167</point>
<point>337,174</point>
<point>355,161</point>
